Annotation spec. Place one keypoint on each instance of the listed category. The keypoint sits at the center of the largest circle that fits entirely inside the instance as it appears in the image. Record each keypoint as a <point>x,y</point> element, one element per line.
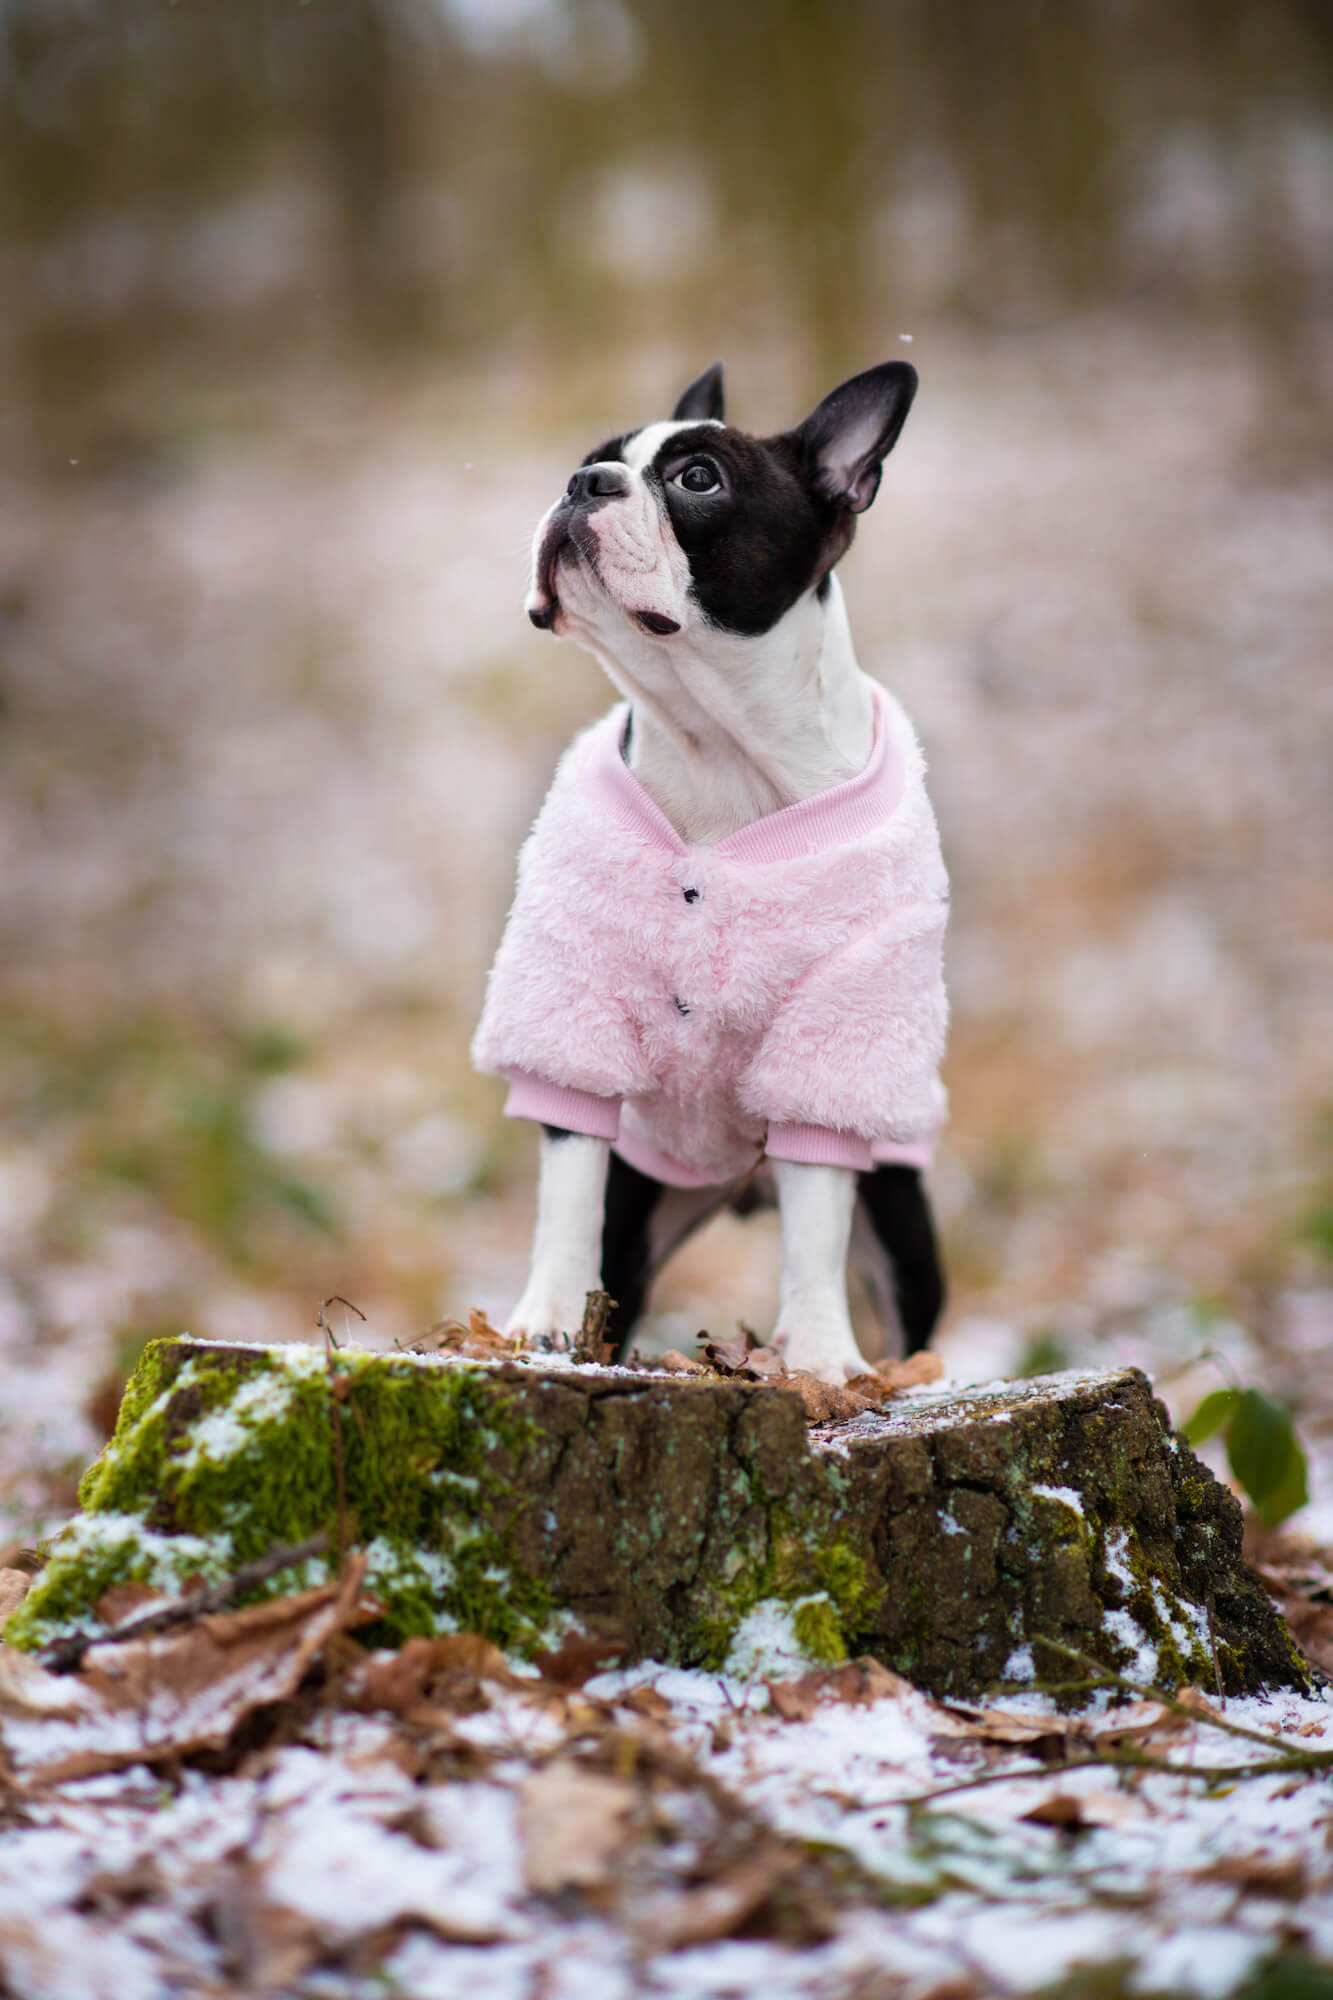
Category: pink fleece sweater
<point>781,991</point>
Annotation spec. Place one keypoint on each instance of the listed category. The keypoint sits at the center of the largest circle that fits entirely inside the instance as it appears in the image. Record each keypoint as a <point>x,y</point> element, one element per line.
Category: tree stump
<point>954,1536</point>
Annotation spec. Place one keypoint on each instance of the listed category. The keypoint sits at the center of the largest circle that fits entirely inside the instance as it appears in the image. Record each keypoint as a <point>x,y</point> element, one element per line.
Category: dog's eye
<point>698,477</point>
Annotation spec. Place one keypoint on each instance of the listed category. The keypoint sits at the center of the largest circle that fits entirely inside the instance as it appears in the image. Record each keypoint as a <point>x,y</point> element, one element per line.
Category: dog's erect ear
<point>703,399</point>
<point>847,439</point>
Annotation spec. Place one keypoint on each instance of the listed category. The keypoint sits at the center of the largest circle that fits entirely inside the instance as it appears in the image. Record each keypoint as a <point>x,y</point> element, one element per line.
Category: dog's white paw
<point>828,1351</point>
<point>548,1314</point>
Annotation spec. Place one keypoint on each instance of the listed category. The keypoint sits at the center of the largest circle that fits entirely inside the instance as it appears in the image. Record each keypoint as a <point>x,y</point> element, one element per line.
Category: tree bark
<point>963,1537</point>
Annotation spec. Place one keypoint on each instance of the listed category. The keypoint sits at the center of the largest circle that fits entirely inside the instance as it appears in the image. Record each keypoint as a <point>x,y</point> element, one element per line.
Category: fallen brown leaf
<point>859,1681</point>
<point>742,1358</point>
<point>913,1373</point>
<point>648,1702</point>
<point>476,1339</point>
<point>1196,1703</point>
<point>171,1694</point>
<point>113,1890</point>
<point>716,1909</point>
<point>729,1356</point>
<point>469,1653</point>
<point>572,1823</point>
<point>14,1587</point>
<point>1077,1812</point>
<point>578,1657</point>
<point>1061,1810</point>
<point>17,1555</point>
<point>677,1363</point>
<point>792,1701</point>
<point>765,1364</point>
<point>396,1682</point>
<point>828,1402</point>
<point>996,1725</point>
<point>1264,1873</point>
<point>445,1673</point>
<point>864,1680</point>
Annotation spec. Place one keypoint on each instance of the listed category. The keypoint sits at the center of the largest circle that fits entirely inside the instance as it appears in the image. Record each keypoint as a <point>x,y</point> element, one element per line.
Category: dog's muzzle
<point>588,489</point>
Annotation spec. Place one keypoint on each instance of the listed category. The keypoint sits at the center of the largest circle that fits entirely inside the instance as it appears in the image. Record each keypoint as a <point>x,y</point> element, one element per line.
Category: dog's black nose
<point>597,482</point>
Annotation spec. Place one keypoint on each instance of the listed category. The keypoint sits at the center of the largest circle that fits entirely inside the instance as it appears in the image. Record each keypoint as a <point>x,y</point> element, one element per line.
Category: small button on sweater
<point>781,991</point>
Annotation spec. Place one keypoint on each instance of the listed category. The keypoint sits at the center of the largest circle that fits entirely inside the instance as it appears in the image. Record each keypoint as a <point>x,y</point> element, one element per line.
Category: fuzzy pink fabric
<point>793,1003</point>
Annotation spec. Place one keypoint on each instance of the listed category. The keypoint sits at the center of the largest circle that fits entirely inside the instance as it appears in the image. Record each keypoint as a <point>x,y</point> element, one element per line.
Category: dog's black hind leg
<point>894,1199</point>
<point>627,1246</point>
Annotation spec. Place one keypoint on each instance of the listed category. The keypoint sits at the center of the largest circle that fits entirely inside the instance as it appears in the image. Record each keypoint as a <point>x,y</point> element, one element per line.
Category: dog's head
<point>693,524</point>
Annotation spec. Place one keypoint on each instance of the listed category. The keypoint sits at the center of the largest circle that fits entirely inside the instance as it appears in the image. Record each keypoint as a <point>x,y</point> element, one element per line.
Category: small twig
<point>337,1299</point>
<point>65,1656</point>
<point>1107,1677</point>
<point>335,1410</point>
<point>1197,1361</point>
<point>1121,1760</point>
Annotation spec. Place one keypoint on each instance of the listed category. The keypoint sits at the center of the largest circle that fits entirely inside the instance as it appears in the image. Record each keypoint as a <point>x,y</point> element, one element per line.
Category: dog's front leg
<point>814,1329</point>
<point>567,1242</point>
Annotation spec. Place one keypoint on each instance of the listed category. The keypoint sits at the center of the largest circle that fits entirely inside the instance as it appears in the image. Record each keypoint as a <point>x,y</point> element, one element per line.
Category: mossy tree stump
<point>950,1536</point>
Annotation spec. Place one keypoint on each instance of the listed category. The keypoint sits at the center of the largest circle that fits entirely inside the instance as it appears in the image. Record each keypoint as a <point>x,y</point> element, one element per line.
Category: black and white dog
<point>724,956</point>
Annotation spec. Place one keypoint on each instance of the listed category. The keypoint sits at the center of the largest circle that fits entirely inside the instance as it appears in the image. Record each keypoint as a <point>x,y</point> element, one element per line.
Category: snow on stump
<point>953,1535</point>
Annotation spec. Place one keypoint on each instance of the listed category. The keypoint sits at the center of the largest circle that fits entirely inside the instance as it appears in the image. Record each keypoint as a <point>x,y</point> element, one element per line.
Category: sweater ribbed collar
<point>847,812</point>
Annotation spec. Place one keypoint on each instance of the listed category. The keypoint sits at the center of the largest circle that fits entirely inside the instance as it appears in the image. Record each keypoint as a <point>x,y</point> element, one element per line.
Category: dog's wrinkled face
<point>693,523</point>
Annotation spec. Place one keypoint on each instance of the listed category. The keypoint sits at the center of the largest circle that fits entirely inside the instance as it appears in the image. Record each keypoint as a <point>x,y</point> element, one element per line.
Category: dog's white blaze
<point>640,450</point>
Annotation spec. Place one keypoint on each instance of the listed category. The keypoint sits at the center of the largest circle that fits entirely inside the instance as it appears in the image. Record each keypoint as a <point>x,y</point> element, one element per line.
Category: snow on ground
<point>328,1868</point>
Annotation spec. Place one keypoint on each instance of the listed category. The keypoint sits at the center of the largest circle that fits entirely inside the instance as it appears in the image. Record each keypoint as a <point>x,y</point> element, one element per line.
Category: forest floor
<point>252,1804</point>
<point>273,726</point>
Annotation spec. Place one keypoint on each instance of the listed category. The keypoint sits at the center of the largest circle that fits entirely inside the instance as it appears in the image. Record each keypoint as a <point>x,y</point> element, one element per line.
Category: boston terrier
<point>723,965</point>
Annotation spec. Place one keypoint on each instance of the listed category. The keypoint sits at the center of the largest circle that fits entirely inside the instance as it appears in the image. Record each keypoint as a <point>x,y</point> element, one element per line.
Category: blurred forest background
<point>308,310</point>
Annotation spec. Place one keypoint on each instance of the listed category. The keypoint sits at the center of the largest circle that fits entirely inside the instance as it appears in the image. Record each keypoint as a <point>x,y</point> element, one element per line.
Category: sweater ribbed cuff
<point>579,1111</point>
<point>817,1146</point>
<point>912,1153</point>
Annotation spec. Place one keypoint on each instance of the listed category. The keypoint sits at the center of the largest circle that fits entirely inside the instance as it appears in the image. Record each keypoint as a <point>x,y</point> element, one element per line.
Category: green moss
<point>818,1631</point>
<point>805,1562</point>
<point>212,1466</point>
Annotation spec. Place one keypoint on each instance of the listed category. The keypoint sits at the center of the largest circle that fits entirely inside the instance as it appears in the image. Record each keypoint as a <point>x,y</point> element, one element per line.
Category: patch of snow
<point>1209,1963</point>
<point>236,1427</point>
<point>764,1645</point>
<point>390,1568</point>
<point>1064,1494</point>
<point>347,1874</point>
<point>1142,1663</point>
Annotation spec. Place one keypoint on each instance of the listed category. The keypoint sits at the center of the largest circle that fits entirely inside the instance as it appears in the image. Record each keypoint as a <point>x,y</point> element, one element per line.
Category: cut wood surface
<point>966,1537</point>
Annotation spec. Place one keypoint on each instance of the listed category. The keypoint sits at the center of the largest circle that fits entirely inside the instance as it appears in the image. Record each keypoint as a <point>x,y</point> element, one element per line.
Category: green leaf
<point>1265,1456</point>
<point>1290,1493</point>
<point>1213,1412</point>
